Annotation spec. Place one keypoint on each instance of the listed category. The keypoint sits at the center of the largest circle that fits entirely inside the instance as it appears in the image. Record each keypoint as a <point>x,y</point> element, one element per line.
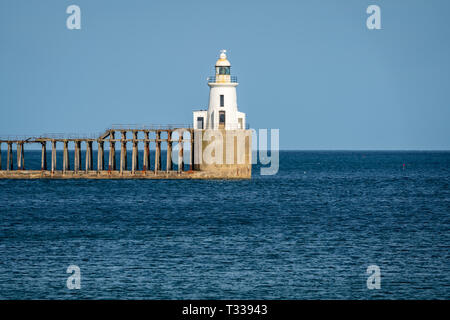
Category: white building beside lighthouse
<point>222,110</point>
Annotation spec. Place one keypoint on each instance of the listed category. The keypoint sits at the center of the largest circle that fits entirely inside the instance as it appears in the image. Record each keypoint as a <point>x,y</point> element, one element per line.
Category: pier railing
<point>69,136</point>
<point>131,127</point>
<point>5,138</point>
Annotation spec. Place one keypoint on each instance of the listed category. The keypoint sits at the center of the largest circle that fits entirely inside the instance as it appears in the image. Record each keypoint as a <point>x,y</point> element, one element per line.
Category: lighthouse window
<point>222,100</point>
<point>223,70</point>
<point>222,117</point>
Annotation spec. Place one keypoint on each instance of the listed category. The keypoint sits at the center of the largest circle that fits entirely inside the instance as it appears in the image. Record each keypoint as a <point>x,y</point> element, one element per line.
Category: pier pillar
<point>66,163</point>
<point>112,152</point>
<point>44,156</point>
<point>53,156</point>
<point>135,157</point>
<point>169,166</point>
<point>77,156</point>
<point>9,158</point>
<point>146,164</point>
<point>100,155</point>
<point>22,151</point>
<point>89,160</point>
<point>158,151</point>
<point>180,153</point>
<point>20,156</point>
<point>123,152</point>
<point>191,165</point>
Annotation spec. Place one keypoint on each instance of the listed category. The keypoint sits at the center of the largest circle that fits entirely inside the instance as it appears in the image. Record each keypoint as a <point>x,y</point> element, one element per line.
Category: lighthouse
<point>222,142</point>
<point>222,110</point>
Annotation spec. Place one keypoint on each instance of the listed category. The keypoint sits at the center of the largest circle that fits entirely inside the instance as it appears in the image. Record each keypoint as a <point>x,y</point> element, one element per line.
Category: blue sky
<point>310,68</point>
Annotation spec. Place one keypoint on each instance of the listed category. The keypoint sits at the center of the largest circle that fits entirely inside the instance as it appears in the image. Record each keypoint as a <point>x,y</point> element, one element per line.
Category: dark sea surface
<point>309,232</point>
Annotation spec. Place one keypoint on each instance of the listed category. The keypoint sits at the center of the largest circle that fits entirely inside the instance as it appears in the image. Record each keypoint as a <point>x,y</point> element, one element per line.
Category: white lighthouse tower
<point>222,111</point>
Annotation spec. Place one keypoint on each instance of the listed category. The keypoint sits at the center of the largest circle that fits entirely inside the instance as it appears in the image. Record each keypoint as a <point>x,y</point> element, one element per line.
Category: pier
<point>117,135</point>
<point>220,145</point>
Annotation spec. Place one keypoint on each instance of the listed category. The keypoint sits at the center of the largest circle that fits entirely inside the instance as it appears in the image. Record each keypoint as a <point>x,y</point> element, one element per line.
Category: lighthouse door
<point>199,122</point>
<point>221,119</point>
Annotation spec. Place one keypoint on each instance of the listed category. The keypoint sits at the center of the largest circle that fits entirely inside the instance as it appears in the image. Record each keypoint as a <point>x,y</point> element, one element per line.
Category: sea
<point>314,230</point>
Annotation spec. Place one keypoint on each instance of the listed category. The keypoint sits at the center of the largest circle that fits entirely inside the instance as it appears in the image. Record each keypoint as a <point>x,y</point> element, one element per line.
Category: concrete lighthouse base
<point>224,152</point>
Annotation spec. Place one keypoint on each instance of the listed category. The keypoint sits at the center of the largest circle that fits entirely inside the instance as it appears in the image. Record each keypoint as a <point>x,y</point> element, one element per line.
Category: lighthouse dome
<point>223,62</point>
